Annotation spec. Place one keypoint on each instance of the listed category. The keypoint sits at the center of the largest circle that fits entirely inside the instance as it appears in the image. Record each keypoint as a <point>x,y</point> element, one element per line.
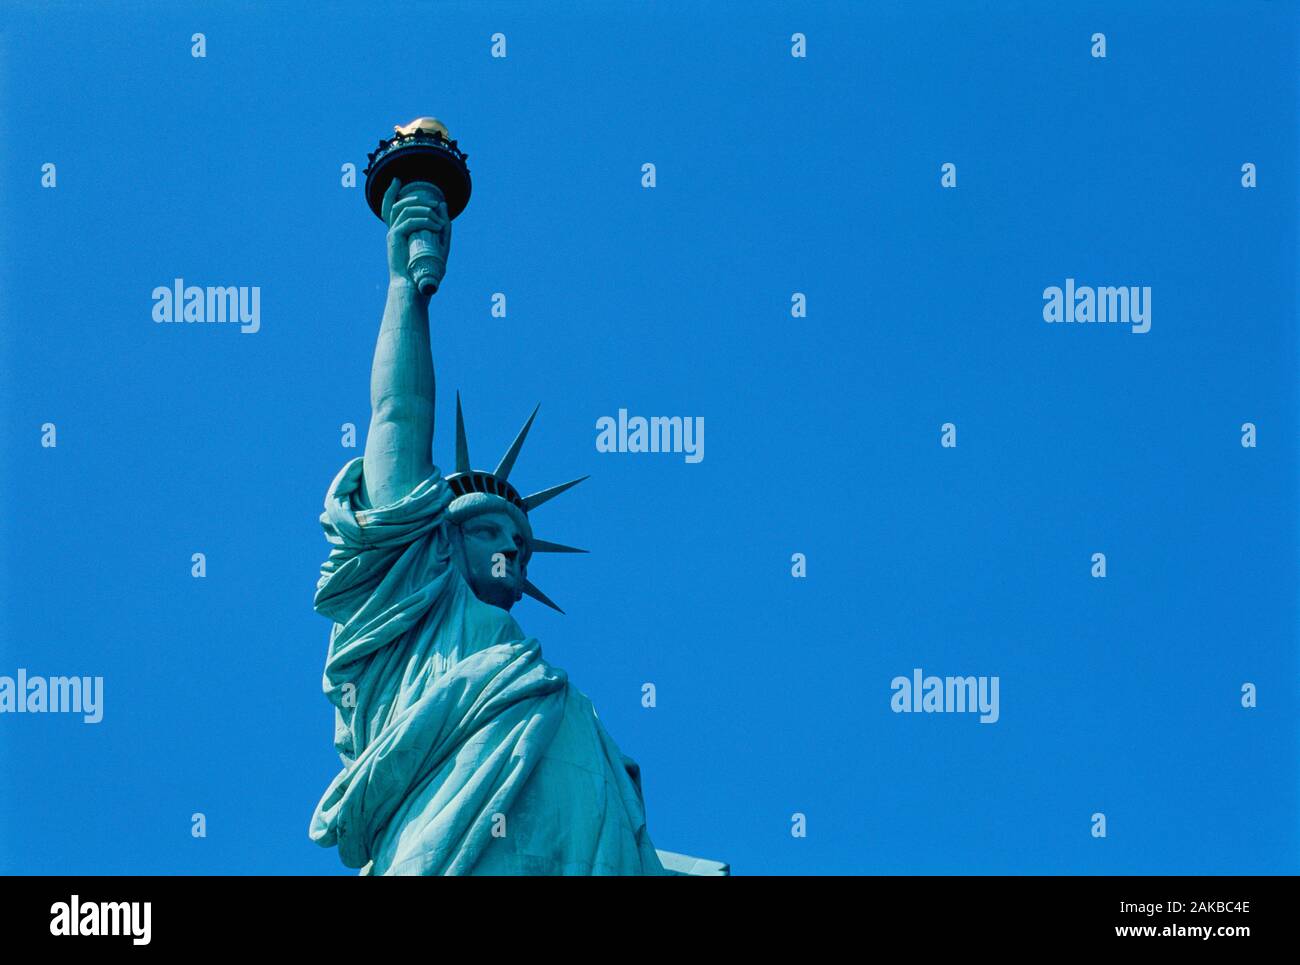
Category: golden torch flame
<point>427,125</point>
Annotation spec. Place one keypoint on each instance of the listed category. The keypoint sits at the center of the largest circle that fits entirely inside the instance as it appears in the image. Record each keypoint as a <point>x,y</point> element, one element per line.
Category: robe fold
<point>463,751</point>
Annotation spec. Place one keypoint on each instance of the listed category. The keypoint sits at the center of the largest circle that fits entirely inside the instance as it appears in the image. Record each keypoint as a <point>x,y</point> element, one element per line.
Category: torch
<point>420,151</point>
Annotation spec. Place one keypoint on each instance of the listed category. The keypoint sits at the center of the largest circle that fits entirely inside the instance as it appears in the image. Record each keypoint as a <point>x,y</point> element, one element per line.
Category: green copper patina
<point>463,751</point>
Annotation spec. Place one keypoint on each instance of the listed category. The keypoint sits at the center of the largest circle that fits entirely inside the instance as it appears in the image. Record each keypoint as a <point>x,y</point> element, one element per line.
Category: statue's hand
<point>418,206</point>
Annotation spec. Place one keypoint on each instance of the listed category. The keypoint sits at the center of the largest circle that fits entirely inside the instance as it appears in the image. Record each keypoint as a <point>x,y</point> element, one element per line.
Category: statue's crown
<point>478,491</point>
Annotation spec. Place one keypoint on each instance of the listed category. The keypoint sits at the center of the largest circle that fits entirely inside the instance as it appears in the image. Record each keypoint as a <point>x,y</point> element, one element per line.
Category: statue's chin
<point>498,595</point>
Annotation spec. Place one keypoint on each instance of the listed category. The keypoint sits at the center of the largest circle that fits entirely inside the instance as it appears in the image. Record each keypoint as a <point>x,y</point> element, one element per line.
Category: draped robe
<point>463,751</point>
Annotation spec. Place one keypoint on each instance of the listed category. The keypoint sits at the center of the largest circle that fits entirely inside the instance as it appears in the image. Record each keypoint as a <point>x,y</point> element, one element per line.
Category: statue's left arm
<point>399,444</point>
<point>395,479</point>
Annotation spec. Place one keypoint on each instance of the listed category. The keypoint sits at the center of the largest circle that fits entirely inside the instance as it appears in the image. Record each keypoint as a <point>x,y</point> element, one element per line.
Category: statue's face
<point>494,558</point>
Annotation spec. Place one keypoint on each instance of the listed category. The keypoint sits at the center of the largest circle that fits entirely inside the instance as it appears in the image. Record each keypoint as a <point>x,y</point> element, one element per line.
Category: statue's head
<point>492,550</point>
<point>491,535</point>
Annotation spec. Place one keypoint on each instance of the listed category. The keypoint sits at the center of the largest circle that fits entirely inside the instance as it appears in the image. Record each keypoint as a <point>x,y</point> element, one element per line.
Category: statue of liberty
<point>463,751</point>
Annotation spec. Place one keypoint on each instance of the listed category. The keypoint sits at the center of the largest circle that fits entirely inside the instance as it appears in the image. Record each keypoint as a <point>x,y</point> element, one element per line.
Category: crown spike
<point>546,546</point>
<point>538,595</point>
<point>462,445</point>
<point>536,499</point>
<point>508,460</point>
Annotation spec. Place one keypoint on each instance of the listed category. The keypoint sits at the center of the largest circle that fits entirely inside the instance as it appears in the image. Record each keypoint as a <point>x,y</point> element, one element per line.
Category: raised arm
<point>399,445</point>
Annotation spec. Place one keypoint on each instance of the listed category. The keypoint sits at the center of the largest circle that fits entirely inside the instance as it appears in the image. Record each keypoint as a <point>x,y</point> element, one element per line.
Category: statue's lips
<point>512,577</point>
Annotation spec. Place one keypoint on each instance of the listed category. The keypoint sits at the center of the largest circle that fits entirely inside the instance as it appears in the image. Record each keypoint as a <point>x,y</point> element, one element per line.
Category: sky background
<point>775,175</point>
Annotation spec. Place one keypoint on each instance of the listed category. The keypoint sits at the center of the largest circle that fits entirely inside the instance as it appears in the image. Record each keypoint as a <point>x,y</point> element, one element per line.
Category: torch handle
<point>424,262</point>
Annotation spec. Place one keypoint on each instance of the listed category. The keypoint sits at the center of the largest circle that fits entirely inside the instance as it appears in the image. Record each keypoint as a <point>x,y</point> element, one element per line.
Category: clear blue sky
<point>775,175</point>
